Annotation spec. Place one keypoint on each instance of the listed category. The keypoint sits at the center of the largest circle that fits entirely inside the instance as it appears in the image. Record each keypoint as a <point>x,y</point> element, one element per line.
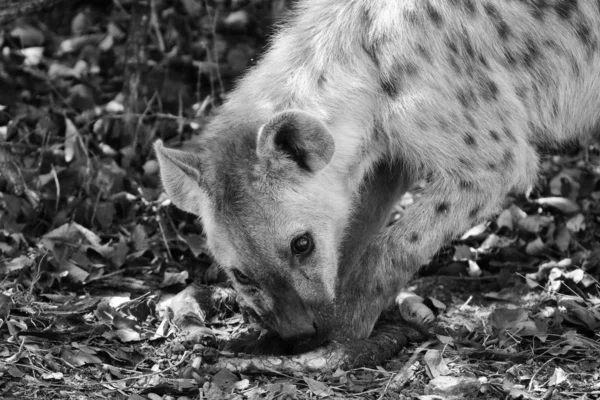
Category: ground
<point>91,249</point>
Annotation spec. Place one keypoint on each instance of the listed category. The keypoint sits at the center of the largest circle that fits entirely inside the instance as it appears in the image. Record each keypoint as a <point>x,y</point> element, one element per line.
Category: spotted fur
<point>459,92</point>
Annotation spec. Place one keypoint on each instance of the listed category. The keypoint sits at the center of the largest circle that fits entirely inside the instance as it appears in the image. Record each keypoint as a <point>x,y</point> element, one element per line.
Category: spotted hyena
<point>355,101</point>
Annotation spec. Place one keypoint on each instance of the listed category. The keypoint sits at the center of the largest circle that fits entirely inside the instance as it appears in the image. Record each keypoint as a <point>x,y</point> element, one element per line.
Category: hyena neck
<point>312,66</point>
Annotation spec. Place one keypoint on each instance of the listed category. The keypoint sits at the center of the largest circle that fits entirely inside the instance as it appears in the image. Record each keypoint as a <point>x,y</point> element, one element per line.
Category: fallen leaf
<point>436,365</point>
<point>174,278</point>
<point>475,231</point>
<point>71,136</point>
<point>126,335</point>
<point>562,238</point>
<point>576,223</point>
<point>535,247</point>
<point>15,372</point>
<point>319,389</point>
<point>561,203</point>
<point>474,269</point>
<point>463,252</point>
<point>78,358</point>
<point>242,385</point>
<point>558,377</point>
<point>445,339</point>
<point>52,375</point>
<point>506,318</point>
<point>505,220</point>
<point>534,223</point>
<point>225,379</point>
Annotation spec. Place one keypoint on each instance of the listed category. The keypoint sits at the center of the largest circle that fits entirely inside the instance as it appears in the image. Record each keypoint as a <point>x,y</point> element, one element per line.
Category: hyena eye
<point>241,277</point>
<point>302,245</point>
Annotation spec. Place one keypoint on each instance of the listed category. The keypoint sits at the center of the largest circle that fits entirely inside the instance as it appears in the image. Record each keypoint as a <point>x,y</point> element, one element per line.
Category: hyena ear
<point>299,136</point>
<point>181,176</point>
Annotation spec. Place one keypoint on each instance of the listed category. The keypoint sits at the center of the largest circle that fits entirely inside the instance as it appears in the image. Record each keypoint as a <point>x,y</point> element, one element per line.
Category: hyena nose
<point>297,326</point>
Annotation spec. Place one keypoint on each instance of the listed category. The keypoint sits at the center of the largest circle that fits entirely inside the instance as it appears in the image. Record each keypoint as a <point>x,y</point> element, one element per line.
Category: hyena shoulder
<point>354,101</point>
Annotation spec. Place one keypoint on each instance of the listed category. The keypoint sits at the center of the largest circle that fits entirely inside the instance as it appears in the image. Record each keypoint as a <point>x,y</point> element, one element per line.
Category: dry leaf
<point>319,389</point>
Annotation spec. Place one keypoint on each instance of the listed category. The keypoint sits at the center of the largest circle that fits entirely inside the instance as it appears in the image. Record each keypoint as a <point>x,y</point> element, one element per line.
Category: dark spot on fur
<point>539,8</point>
<point>442,207</point>
<point>430,178</point>
<point>489,90</point>
<point>390,87</point>
<point>474,212</point>
<point>453,64</point>
<point>551,44</point>
<point>586,37</point>
<point>503,29</point>
<point>366,17</point>
<point>371,51</point>
<point>378,131</point>
<point>531,54</point>
<point>470,6</point>
<point>491,10</point>
<point>509,134</point>
<point>424,53</point>
<point>564,8</point>
<point>414,19</point>
<point>443,124</point>
<point>575,67</point>
<point>461,95</point>
<point>435,16</point>
<point>468,47</point>
<point>521,92</point>
<point>467,98</point>
<point>510,58</point>
<point>554,108</point>
<point>414,237</point>
<point>501,26</point>
<point>466,185</point>
<point>583,32</point>
<point>452,46</point>
<point>322,79</point>
<point>507,159</point>
<point>495,135</point>
<point>410,69</point>
<point>469,140</point>
<point>465,163</point>
<point>483,61</point>
<point>492,166</point>
<point>535,130</point>
<point>471,121</point>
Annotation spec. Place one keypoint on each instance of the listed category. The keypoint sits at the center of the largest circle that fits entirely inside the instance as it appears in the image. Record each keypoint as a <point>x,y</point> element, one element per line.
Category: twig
<point>462,307</point>
<point>102,277</point>
<point>156,27</point>
<point>57,183</point>
<point>183,358</point>
<point>162,232</point>
<point>536,372</point>
<point>397,381</point>
<point>215,55</point>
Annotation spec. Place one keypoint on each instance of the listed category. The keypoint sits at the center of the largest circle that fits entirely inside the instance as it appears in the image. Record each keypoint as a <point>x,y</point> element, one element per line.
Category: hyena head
<point>272,213</point>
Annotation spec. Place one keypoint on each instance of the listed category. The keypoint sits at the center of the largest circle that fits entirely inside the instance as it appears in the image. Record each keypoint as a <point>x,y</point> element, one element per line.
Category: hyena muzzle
<point>355,101</point>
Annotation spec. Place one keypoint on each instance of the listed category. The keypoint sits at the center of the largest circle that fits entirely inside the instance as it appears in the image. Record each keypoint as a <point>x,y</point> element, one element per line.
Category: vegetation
<point>91,250</point>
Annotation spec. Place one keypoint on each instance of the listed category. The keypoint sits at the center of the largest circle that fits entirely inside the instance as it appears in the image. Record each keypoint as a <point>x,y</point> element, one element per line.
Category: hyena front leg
<point>376,200</point>
<point>450,204</point>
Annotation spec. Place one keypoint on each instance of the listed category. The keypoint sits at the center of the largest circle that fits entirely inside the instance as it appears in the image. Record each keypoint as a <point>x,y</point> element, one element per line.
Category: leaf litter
<point>92,251</point>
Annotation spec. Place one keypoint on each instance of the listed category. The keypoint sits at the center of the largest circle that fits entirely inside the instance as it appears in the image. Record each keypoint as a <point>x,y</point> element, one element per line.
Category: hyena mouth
<point>307,343</point>
<point>305,339</point>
